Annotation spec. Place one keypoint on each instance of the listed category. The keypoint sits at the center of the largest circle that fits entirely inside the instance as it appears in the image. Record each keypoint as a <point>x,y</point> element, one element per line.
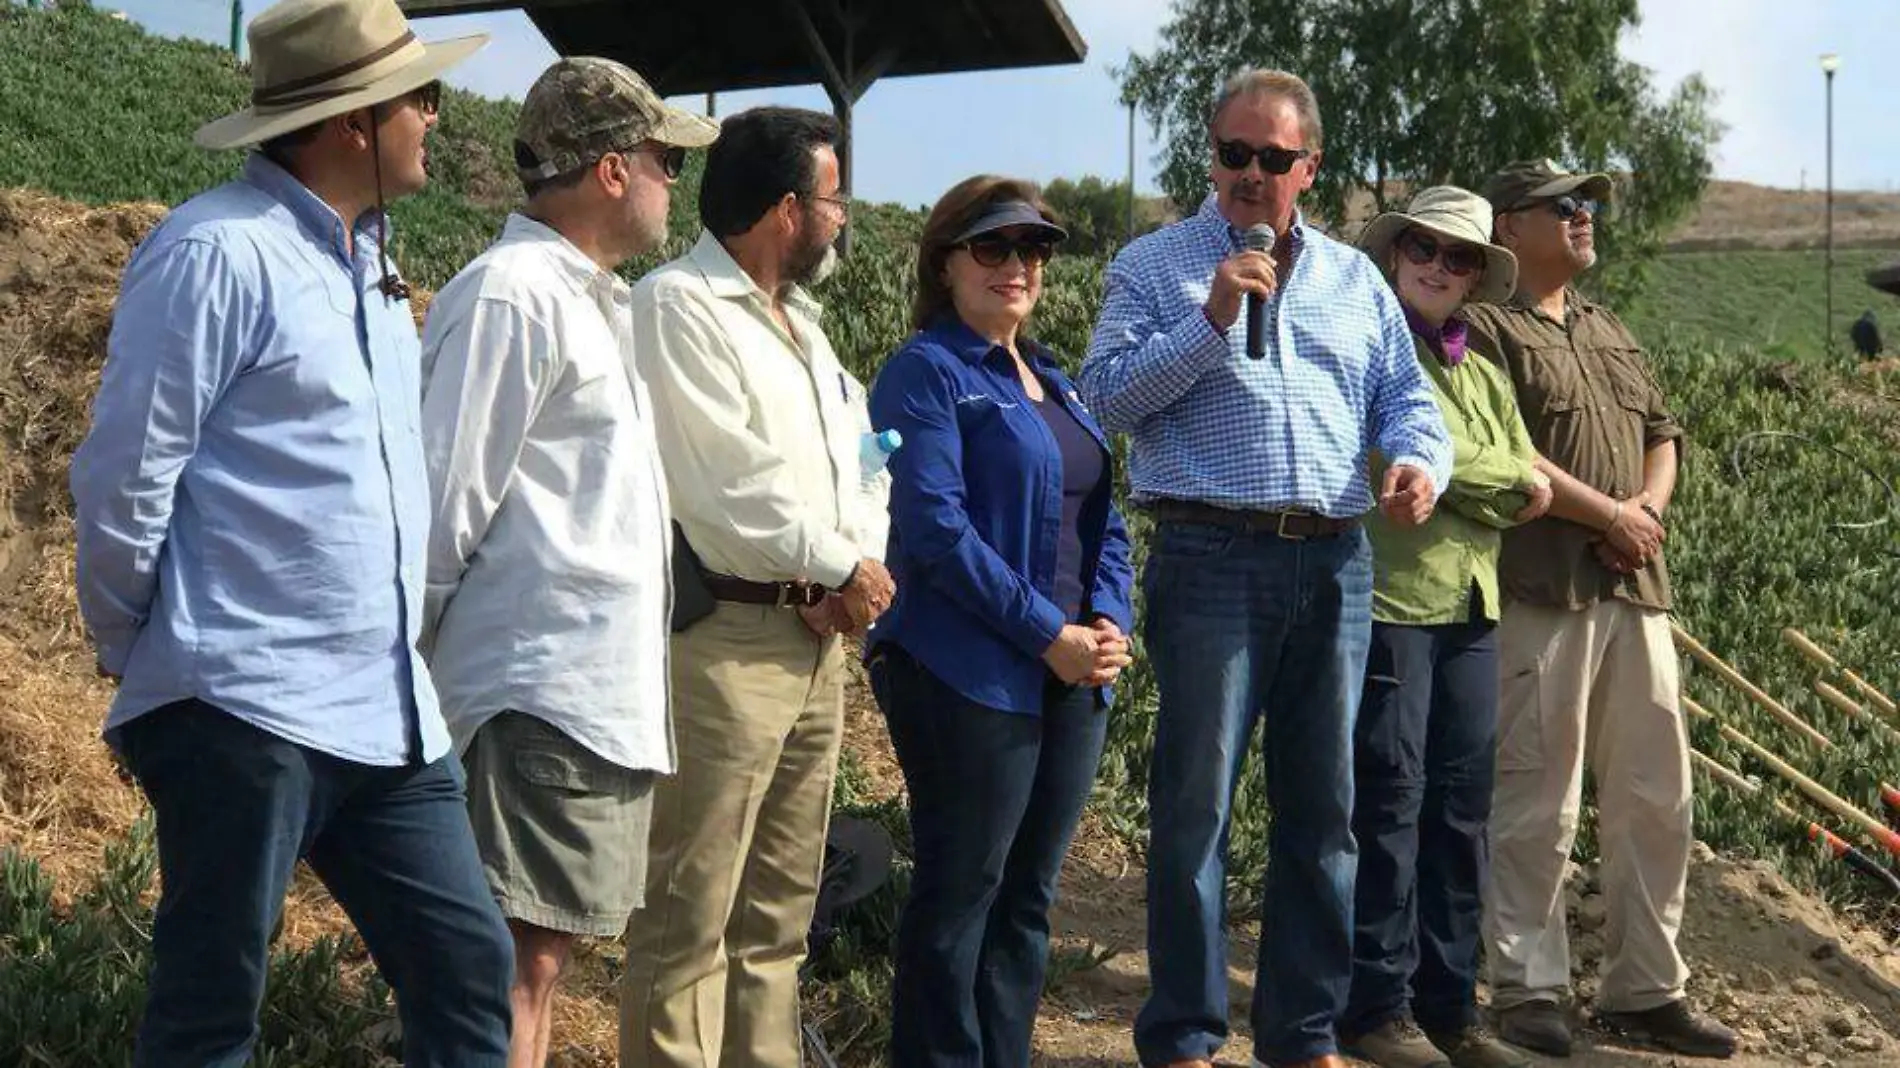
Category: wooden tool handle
<point>1755,693</point>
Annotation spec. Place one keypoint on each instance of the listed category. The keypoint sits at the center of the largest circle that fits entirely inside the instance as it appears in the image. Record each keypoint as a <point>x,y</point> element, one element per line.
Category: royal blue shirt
<point>252,506</point>
<point>976,517</point>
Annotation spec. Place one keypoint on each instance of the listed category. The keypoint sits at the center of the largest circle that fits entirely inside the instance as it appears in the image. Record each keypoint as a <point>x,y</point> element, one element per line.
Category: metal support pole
<point>1131,171</point>
<point>237,28</point>
<point>1829,64</point>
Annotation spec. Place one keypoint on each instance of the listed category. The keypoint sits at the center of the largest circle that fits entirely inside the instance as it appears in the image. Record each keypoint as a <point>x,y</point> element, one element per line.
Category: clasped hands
<point>1633,539</point>
<point>1091,655</point>
<point>855,605</point>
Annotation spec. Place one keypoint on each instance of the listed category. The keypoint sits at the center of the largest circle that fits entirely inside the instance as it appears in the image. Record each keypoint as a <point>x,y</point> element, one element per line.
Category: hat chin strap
<point>392,287</point>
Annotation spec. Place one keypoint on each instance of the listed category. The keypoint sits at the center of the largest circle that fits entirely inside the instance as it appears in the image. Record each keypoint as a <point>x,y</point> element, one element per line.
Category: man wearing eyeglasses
<point>549,569</point>
<point>1259,582</point>
<point>1586,664</point>
<point>760,427</point>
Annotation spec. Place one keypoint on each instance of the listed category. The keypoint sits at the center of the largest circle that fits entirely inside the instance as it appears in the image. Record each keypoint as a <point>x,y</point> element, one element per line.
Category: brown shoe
<point>1538,1026</point>
<point>1195,1063</point>
<point>1396,1043</point>
<point>1475,1047</point>
<point>1674,1027</point>
<point>1331,1060</point>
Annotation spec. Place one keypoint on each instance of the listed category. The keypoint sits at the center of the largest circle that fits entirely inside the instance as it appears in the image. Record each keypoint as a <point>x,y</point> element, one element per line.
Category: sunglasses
<point>1565,207</point>
<point>995,251</point>
<point>1421,249</point>
<point>1235,155</point>
<point>672,157</point>
<point>427,98</point>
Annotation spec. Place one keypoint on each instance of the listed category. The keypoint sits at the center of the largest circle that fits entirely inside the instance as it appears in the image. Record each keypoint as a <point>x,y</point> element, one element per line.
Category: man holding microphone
<point>1252,460</point>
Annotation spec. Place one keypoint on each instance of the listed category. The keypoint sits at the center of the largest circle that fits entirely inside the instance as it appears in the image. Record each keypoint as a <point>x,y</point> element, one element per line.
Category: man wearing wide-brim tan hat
<point>1427,725</point>
<point>1587,668</point>
<point>252,514</point>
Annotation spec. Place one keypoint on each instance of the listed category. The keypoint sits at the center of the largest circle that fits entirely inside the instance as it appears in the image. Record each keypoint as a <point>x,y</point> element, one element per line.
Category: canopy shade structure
<point>699,46</point>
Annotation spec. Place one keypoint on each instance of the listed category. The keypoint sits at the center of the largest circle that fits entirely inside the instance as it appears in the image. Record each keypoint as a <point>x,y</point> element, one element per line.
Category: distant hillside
<point>1739,215</point>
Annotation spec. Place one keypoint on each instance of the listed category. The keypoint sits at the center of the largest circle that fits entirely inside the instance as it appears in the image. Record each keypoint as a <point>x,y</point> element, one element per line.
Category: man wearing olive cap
<point>549,583</point>
<point>251,516</point>
<point>1586,663</point>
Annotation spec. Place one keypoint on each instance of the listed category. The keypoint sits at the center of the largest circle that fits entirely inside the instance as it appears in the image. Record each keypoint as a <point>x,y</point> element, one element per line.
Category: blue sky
<point>1761,55</point>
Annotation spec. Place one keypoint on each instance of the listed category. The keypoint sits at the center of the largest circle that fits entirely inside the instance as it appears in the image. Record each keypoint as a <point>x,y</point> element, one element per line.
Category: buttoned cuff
<point>833,560</point>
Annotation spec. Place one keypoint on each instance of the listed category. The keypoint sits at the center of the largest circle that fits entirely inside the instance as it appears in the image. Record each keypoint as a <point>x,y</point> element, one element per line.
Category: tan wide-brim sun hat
<point>315,59</point>
<point>1449,214</point>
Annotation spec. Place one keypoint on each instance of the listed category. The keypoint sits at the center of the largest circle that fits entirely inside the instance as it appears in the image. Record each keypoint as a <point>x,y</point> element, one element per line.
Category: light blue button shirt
<point>1288,431</point>
<point>252,503</point>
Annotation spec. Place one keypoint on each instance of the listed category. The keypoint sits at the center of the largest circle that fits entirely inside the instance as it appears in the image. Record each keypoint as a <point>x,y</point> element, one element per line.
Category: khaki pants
<point>738,843</point>
<point>1597,685</point>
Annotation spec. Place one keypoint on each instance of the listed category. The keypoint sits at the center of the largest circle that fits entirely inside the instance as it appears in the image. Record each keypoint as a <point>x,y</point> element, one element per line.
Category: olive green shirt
<point>1426,575</point>
<point>1593,409</point>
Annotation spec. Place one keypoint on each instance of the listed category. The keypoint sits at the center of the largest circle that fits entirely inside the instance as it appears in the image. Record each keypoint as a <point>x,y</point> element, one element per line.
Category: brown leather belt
<point>776,594</point>
<point>1294,526</point>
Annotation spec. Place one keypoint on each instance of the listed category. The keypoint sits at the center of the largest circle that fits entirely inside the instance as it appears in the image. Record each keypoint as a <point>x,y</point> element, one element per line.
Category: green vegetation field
<point>94,110</point>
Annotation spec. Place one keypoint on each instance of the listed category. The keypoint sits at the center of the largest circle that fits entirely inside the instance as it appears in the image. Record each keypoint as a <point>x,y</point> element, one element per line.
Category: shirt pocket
<point>1552,386</point>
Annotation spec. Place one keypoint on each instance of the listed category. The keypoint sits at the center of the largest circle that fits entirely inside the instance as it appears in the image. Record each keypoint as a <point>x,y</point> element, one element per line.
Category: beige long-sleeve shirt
<point>759,429</point>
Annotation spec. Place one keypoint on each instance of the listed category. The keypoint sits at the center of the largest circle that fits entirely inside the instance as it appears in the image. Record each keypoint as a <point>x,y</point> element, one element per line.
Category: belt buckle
<point>797,595</point>
<point>1279,529</point>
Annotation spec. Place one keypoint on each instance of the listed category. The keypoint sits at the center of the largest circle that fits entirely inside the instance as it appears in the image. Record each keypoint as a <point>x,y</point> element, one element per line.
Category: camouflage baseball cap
<point>1529,181</point>
<point>584,107</point>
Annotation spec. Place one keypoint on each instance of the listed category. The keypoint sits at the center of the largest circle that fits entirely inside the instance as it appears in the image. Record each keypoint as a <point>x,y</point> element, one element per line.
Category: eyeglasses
<point>843,204</point>
<point>427,98</point>
<point>1235,155</point>
<point>1421,249</point>
<point>996,251</point>
<point>1565,207</point>
<point>672,158</point>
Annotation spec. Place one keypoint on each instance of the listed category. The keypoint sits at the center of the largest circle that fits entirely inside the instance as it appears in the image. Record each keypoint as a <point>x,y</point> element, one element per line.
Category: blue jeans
<point>1243,627</point>
<point>1427,737</point>
<point>994,799</point>
<point>237,806</point>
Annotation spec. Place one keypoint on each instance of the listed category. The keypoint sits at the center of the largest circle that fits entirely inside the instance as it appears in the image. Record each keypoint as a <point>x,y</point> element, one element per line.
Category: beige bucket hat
<point>314,59</point>
<point>1449,214</point>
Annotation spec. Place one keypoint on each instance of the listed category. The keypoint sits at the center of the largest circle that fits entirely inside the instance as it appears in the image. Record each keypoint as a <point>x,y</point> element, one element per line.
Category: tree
<point>1095,213</point>
<point>1422,92</point>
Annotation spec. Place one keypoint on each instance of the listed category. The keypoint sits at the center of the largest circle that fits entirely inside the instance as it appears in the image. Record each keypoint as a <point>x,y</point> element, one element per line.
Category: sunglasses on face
<point>427,98</point>
<point>995,251</point>
<point>1235,155</point>
<point>672,157</point>
<point>1420,249</point>
<point>1566,207</point>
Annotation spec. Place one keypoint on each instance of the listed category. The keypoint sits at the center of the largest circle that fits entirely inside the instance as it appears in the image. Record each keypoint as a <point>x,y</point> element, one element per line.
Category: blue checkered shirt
<point>1290,431</point>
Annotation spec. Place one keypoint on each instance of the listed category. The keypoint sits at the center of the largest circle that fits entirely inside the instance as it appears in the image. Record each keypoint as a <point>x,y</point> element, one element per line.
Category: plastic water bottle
<point>874,451</point>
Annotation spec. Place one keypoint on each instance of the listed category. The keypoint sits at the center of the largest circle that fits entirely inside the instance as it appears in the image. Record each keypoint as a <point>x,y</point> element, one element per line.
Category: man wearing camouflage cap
<point>549,584</point>
<point>1586,664</point>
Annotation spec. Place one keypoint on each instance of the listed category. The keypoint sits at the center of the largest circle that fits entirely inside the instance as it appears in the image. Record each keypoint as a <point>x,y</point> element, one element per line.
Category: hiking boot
<point>1475,1047</point>
<point>1538,1026</point>
<point>1396,1043</point>
<point>1674,1027</point>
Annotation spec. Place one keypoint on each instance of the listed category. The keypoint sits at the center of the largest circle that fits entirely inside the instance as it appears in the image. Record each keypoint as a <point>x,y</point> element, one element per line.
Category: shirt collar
<point>1575,304</point>
<point>310,210</point>
<point>573,264</point>
<point>954,334</point>
<point>1211,219</point>
<point>727,279</point>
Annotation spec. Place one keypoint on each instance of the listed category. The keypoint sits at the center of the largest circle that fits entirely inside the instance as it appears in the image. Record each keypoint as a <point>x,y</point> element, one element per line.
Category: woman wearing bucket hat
<point>1428,718</point>
<point>1013,601</point>
<point>252,510</point>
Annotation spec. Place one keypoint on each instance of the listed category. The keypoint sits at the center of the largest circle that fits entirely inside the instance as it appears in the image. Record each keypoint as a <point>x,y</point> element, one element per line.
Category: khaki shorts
<point>562,830</point>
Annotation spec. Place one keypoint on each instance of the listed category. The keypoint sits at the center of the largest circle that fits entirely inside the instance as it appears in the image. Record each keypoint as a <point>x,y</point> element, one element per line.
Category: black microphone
<point>1257,238</point>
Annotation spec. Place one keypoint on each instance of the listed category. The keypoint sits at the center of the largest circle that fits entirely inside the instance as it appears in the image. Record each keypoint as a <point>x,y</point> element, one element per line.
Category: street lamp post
<point>1829,64</point>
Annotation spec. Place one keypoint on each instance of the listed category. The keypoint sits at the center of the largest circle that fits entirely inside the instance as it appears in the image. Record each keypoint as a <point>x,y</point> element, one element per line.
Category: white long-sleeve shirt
<point>549,584</point>
<point>759,428</point>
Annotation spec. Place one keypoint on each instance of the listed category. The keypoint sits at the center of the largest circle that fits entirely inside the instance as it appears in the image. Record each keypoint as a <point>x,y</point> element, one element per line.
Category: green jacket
<point>1424,575</point>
